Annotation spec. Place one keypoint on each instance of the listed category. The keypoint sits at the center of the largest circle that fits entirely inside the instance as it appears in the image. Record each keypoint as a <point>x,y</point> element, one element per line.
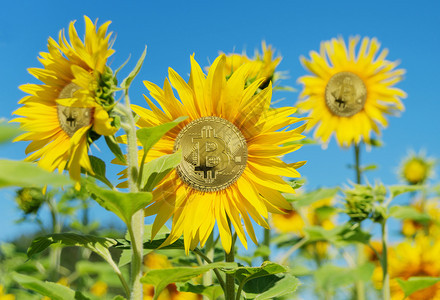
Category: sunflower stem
<point>230,257</point>
<point>360,286</point>
<point>136,226</point>
<point>384,262</point>
<point>266,242</point>
<point>55,252</point>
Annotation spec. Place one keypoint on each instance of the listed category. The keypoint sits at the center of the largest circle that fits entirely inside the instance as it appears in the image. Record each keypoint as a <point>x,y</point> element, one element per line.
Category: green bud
<point>29,199</point>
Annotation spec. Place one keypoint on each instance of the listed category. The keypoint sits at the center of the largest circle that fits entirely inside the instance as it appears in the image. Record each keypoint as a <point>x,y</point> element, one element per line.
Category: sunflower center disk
<point>345,94</point>
<point>72,118</point>
<point>214,154</point>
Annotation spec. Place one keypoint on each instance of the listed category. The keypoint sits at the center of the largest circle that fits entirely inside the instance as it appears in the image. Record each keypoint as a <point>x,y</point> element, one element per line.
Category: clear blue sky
<point>173,30</point>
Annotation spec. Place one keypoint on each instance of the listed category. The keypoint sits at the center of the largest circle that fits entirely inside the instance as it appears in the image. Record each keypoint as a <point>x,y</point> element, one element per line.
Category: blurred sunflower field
<point>230,150</point>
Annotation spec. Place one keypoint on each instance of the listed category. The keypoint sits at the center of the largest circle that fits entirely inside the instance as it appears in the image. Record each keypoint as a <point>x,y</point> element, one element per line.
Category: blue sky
<point>173,30</point>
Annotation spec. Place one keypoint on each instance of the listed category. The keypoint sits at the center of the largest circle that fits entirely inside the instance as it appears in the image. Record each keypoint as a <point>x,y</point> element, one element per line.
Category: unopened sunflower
<point>230,144</point>
<point>350,91</point>
<point>71,108</point>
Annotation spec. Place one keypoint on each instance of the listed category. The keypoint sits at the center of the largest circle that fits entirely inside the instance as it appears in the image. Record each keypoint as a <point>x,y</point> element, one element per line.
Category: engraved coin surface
<point>214,154</point>
<point>345,94</point>
<point>72,118</point>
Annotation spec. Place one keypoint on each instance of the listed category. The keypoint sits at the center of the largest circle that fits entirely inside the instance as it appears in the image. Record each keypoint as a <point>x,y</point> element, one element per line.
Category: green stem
<point>384,262</point>
<point>360,286</point>
<point>121,277</point>
<point>55,252</point>
<point>230,257</point>
<point>136,226</point>
<point>217,273</point>
<point>209,249</point>
<point>266,242</point>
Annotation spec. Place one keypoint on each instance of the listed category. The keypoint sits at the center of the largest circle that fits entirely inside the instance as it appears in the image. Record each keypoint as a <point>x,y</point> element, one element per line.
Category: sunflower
<point>263,64</point>
<point>348,94</point>
<point>230,145</point>
<point>411,259</point>
<point>69,110</point>
<point>416,168</point>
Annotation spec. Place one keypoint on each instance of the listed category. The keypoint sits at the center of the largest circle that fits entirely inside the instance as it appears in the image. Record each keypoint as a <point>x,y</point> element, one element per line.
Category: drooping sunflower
<point>231,144</point>
<point>263,65</point>
<point>70,109</point>
<point>349,92</point>
<point>412,259</point>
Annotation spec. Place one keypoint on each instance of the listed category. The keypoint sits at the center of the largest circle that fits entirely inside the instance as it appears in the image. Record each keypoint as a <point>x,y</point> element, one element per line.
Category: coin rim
<point>186,179</point>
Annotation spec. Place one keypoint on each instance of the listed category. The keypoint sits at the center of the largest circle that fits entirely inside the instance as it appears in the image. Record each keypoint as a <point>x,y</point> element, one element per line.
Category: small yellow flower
<point>4,296</point>
<point>349,92</point>
<point>70,109</point>
<point>416,168</point>
<point>410,259</point>
<point>99,288</point>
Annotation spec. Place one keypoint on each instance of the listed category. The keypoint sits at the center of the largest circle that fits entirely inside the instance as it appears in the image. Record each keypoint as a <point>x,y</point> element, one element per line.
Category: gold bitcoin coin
<point>345,94</point>
<point>72,118</point>
<point>214,154</point>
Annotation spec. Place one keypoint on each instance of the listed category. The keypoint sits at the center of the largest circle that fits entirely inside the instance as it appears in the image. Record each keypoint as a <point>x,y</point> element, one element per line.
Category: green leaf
<point>270,287</point>
<point>148,136</point>
<point>119,297</point>
<point>369,167</point>
<point>311,197</point>
<point>211,291</point>
<point>329,277</point>
<point>414,284</point>
<point>408,212</point>
<point>99,168</point>
<point>52,290</point>
<point>157,169</point>
<point>162,277</point>
<point>8,131</point>
<point>115,149</point>
<point>124,205</point>
<point>397,190</point>
<point>26,174</point>
<point>99,245</point>
<point>248,273</point>
<point>127,81</point>
<point>340,235</point>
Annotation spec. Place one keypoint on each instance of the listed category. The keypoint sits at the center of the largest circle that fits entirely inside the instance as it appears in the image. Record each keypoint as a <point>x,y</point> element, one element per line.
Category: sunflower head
<point>416,168</point>
<point>72,106</point>
<point>262,65</point>
<point>230,144</point>
<point>29,199</point>
<point>350,90</point>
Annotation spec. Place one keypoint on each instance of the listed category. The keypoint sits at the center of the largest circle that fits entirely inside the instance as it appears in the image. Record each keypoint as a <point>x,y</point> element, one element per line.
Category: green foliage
<point>8,131</point>
<point>309,198</point>
<point>115,149</point>
<point>26,174</point>
<point>408,212</point>
<point>397,190</point>
<point>414,284</point>
<point>52,290</point>
<point>98,167</point>
<point>210,291</point>
<point>341,235</point>
<point>99,245</point>
<point>270,287</point>
<point>124,205</point>
<point>330,277</point>
<point>157,169</point>
<point>162,277</point>
<point>127,81</point>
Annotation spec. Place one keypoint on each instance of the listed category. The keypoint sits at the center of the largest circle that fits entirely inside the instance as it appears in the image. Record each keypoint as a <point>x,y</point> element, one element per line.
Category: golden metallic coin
<point>72,118</point>
<point>345,94</point>
<point>214,154</point>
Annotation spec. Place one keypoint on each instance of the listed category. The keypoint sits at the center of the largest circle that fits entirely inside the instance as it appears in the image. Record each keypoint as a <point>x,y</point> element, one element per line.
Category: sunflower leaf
<point>414,284</point>
<point>99,168</point>
<point>210,291</point>
<point>127,81</point>
<point>270,287</point>
<point>157,169</point>
<point>8,131</point>
<point>124,205</point>
<point>99,245</point>
<point>248,273</point>
<point>397,190</point>
<point>408,212</point>
<point>313,196</point>
<point>52,290</point>
<point>329,276</point>
<point>160,278</point>
<point>27,174</point>
<point>115,149</point>
<point>148,136</point>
